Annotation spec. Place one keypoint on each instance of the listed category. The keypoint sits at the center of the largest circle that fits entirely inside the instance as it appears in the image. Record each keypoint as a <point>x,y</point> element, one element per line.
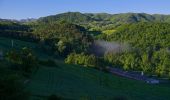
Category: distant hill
<point>18,21</point>
<point>27,20</point>
<point>97,21</point>
<point>77,17</point>
<point>8,20</point>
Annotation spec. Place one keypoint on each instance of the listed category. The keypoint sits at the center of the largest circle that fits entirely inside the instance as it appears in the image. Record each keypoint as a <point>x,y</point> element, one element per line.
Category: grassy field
<point>80,83</point>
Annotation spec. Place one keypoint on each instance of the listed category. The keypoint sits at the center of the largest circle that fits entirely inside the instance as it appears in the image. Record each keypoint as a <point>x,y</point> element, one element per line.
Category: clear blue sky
<point>21,9</point>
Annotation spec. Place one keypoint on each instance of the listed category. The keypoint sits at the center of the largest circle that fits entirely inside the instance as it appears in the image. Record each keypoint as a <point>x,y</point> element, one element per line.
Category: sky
<point>22,9</point>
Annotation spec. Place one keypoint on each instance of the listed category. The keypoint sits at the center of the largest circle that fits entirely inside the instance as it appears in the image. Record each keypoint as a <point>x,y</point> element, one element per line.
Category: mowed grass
<point>79,83</point>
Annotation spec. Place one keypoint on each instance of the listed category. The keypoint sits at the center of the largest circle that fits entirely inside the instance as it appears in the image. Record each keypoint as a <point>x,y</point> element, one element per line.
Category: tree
<point>145,64</point>
<point>129,61</point>
<point>29,61</point>
<point>113,59</point>
<point>14,58</point>
<point>61,46</point>
<point>163,67</point>
<point>70,58</point>
<point>23,60</point>
<point>81,59</point>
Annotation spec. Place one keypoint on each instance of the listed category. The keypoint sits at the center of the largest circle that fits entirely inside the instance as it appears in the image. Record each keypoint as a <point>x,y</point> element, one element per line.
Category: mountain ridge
<point>86,17</point>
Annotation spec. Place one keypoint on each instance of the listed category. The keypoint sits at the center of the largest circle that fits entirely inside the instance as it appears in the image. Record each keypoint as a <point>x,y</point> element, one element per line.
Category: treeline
<point>82,59</point>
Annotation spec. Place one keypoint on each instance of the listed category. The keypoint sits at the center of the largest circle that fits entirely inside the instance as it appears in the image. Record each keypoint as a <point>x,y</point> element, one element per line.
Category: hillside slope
<point>78,83</point>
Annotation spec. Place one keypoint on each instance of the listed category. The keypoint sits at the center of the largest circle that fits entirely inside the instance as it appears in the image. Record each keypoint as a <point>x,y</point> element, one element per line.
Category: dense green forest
<point>150,46</point>
<point>132,42</point>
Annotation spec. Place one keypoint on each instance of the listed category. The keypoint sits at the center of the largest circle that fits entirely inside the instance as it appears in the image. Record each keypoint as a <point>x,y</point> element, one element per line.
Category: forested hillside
<point>63,38</point>
<point>77,17</point>
<point>150,47</point>
<point>97,21</point>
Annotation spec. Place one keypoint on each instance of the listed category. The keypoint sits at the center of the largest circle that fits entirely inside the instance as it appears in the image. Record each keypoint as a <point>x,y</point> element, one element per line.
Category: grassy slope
<point>76,82</point>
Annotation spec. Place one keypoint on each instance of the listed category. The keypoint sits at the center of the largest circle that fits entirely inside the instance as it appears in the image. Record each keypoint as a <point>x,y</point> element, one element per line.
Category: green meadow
<point>79,83</point>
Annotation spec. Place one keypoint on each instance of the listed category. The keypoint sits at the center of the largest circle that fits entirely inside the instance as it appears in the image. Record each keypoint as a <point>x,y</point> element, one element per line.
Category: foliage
<point>81,59</point>
<point>127,60</point>
<point>143,35</point>
<point>151,47</point>
<point>64,38</point>
<point>23,60</point>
